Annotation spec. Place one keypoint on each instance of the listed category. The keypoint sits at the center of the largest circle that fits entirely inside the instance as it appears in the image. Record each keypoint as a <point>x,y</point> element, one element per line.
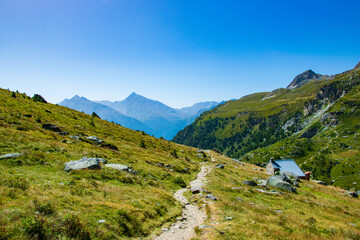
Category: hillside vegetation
<point>38,198</point>
<point>243,212</point>
<point>316,124</point>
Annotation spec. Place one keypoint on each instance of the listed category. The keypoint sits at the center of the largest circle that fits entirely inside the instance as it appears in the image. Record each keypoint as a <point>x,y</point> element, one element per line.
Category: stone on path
<point>196,188</point>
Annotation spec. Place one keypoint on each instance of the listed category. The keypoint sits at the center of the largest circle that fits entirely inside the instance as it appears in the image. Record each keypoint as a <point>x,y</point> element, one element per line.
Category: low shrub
<point>15,182</point>
<point>34,227</point>
<point>74,228</point>
<point>45,208</point>
<point>129,223</point>
<point>179,181</point>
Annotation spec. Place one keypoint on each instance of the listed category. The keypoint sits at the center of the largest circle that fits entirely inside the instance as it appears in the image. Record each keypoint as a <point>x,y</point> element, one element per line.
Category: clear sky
<point>175,51</point>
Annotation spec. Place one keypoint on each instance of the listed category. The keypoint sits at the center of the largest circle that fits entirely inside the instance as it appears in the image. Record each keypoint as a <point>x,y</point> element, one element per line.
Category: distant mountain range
<point>140,113</point>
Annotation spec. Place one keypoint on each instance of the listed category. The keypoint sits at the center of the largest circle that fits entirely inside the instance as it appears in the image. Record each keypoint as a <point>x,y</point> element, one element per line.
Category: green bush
<point>129,223</point>
<point>74,228</point>
<point>34,227</point>
<point>174,153</point>
<point>142,144</point>
<point>94,115</point>
<point>109,145</point>
<point>45,208</point>
<point>179,181</point>
<point>15,182</point>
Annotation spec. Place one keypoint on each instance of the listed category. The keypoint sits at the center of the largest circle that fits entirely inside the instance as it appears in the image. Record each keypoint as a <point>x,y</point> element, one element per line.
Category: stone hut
<point>284,165</point>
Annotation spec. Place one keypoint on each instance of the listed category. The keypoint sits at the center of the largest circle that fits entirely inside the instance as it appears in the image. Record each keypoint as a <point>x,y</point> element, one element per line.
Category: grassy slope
<point>333,153</point>
<point>132,205</point>
<point>316,212</point>
<point>250,129</point>
<point>70,204</point>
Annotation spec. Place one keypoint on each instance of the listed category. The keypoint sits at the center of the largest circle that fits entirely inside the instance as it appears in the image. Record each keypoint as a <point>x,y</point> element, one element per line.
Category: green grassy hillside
<point>316,124</point>
<point>242,212</point>
<point>38,198</point>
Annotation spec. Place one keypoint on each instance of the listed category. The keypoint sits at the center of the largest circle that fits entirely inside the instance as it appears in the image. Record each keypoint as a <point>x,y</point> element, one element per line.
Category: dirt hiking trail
<point>192,216</point>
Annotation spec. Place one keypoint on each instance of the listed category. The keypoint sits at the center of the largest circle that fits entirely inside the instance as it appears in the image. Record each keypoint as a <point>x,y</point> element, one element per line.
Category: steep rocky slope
<point>316,124</point>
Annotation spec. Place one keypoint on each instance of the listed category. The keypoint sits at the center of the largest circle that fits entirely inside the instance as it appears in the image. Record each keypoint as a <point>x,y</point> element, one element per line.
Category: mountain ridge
<point>289,123</point>
<point>156,118</point>
<point>85,105</point>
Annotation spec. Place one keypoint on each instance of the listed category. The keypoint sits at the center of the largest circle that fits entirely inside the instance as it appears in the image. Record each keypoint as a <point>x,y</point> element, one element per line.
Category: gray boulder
<point>319,182</point>
<point>76,138</point>
<point>289,174</point>
<point>160,164</point>
<point>84,163</point>
<point>51,127</point>
<point>119,167</point>
<point>352,194</point>
<point>10,155</point>
<point>250,183</point>
<point>295,183</point>
<point>196,188</point>
<point>276,181</point>
<point>221,166</point>
<point>205,226</point>
<point>212,197</point>
<point>95,139</point>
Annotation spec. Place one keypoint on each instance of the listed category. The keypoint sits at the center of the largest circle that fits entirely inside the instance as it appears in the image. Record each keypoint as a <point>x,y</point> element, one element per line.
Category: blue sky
<point>175,51</point>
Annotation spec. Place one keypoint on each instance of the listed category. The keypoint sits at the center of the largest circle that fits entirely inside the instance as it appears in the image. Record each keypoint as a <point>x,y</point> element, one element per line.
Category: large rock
<point>221,166</point>
<point>352,194</point>
<point>119,167</point>
<point>289,174</point>
<point>250,183</point>
<point>84,163</point>
<point>212,197</point>
<point>319,182</point>
<point>196,188</point>
<point>10,155</point>
<point>51,127</point>
<point>277,181</point>
<point>95,139</point>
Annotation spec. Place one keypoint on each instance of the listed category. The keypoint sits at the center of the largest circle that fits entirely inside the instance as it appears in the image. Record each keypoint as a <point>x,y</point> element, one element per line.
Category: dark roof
<point>288,165</point>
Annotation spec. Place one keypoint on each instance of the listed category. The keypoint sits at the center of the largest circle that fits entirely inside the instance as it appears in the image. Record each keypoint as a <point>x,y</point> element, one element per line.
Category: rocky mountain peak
<point>134,97</point>
<point>304,78</point>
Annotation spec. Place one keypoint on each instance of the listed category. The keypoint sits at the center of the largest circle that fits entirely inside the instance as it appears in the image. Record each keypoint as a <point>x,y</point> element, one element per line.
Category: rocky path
<point>192,215</point>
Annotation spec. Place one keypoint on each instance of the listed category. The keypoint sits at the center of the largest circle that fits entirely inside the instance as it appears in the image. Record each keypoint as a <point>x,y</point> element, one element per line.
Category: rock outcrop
<point>84,163</point>
<point>51,127</point>
<point>119,167</point>
<point>278,182</point>
<point>11,155</point>
<point>304,78</point>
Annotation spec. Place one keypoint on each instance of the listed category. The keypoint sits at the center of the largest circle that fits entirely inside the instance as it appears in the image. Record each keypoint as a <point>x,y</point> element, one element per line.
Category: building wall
<point>270,169</point>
